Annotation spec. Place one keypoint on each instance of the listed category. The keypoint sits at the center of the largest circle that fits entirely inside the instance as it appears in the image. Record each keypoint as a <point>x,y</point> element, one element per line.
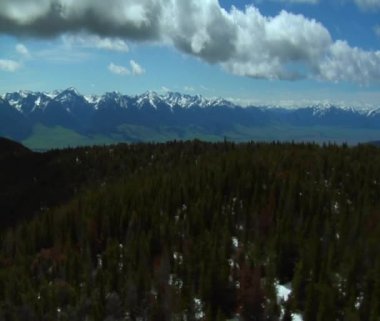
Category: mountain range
<point>67,118</point>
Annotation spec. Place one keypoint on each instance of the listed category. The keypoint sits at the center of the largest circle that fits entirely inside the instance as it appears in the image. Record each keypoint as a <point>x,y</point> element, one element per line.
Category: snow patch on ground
<point>297,317</point>
<point>198,309</point>
<point>283,293</point>
<point>235,242</point>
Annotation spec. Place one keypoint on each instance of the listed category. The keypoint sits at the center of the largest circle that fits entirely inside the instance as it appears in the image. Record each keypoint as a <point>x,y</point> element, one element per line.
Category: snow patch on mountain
<point>111,99</point>
<point>175,99</point>
<point>71,97</point>
<point>149,98</point>
<point>92,99</point>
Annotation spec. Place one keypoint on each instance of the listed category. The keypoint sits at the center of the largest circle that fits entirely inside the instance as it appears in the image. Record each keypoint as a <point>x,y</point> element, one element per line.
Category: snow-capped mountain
<point>111,100</point>
<point>149,99</point>
<point>28,101</point>
<point>106,114</point>
<point>69,96</point>
<point>174,99</point>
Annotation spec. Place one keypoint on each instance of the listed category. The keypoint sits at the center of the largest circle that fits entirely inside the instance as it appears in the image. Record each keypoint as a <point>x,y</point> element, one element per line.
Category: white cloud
<point>244,42</point>
<point>137,70</point>
<point>22,50</point>
<point>344,63</point>
<point>352,64</point>
<point>271,47</point>
<point>9,65</point>
<point>368,4</point>
<point>118,70</point>
<point>95,41</point>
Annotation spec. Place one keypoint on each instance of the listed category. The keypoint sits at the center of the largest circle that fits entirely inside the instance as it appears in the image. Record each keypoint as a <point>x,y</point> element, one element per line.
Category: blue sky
<point>264,51</point>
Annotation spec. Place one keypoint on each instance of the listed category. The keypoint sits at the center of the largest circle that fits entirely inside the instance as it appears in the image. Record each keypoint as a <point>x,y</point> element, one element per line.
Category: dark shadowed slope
<point>11,148</point>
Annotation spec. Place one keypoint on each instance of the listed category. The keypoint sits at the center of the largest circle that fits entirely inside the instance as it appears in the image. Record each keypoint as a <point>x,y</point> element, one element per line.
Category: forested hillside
<point>192,231</point>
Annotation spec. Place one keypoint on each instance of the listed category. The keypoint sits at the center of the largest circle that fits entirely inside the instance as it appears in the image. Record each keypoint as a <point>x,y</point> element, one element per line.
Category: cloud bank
<point>243,42</point>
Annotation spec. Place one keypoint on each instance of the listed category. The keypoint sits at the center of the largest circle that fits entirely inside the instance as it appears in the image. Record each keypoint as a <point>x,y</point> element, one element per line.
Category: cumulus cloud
<point>22,50</point>
<point>344,63</point>
<point>95,41</point>
<point>137,70</point>
<point>268,47</point>
<point>9,65</point>
<point>134,19</point>
<point>118,70</point>
<point>244,42</point>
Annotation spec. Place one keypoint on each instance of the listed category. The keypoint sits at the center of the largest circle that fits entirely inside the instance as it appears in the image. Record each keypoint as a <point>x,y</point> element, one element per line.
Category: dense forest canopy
<point>191,231</point>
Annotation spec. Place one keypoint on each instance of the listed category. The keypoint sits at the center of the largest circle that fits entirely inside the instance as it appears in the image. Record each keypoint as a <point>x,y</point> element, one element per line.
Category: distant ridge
<point>67,118</point>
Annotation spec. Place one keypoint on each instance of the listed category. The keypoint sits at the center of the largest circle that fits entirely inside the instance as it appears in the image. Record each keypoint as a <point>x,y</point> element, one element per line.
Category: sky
<point>286,52</point>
